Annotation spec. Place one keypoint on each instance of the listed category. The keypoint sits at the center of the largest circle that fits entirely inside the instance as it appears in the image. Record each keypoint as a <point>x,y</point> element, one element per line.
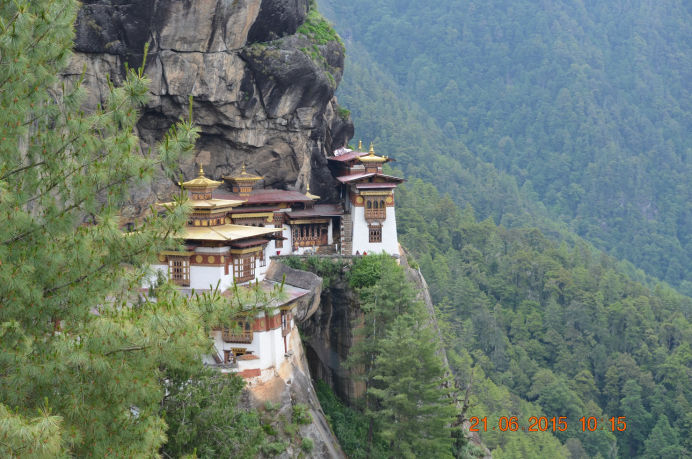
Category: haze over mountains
<point>581,107</point>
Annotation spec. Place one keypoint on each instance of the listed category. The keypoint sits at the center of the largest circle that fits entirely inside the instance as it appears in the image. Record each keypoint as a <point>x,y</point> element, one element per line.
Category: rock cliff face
<point>328,335</point>
<point>263,92</point>
<point>287,386</point>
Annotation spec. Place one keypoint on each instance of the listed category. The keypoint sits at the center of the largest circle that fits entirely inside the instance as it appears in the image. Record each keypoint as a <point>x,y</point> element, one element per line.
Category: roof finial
<point>360,145</point>
<point>201,170</point>
<point>314,197</point>
<point>243,169</point>
<point>372,149</point>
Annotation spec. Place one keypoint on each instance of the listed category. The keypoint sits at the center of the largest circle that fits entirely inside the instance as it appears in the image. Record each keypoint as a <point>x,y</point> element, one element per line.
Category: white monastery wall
<point>361,235</point>
<point>206,277</point>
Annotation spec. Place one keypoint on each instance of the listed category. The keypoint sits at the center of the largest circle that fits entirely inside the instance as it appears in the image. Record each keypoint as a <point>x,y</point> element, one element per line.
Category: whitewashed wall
<point>361,235</point>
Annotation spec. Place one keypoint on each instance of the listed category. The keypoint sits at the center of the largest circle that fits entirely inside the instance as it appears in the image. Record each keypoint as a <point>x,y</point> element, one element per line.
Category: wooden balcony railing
<point>375,214</point>
<point>236,337</point>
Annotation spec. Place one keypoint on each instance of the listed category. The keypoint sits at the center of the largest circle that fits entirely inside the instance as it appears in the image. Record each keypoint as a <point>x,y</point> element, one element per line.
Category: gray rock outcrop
<point>263,94</point>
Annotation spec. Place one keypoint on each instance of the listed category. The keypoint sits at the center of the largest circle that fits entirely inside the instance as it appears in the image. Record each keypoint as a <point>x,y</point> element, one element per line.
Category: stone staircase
<point>346,235</point>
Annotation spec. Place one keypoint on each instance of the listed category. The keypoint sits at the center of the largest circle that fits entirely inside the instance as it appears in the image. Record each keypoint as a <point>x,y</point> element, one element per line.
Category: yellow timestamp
<point>547,424</point>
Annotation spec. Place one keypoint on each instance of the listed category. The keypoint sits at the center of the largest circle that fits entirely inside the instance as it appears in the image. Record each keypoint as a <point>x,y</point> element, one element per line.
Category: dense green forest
<point>541,327</point>
<point>582,109</point>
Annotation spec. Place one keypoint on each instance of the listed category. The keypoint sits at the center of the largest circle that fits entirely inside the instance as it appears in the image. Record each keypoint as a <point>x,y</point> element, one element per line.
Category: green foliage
<point>548,329</point>
<point>307,445</point>
<point>348,424</point>
<point>327,268</point>
<point>344,113</point>
<point>38,437</point>
<point>413,413</point>
<point>89,367</point>
<point>301,414</point>
<point>205,417</point>
<point>274,448</point>
<point>535,112</point>
<point>396,354</point>
<point>318,29</point>
<point>367,271</point>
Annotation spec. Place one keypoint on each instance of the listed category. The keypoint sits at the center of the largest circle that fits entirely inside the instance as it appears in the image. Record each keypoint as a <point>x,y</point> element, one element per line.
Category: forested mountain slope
<point>585,104</point>
<point>556,331</point>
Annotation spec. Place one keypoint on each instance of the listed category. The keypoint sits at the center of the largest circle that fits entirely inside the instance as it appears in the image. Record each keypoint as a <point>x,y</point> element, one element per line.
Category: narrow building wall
<point>361,235</point>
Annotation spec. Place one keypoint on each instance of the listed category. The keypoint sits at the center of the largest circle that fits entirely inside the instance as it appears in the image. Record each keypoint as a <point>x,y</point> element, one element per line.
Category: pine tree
<point>414,412</point>
<point>396,353</point>
<point>206,415</point>
<point>82,357</point>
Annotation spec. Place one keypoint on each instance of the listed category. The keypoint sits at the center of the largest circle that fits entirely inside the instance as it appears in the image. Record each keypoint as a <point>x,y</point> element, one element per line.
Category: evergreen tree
<point>396,353</point>
<point>205,416</point>
<point>663,442</point>
<point>414,413</point>
<point>82,356</point>
<point>631,407</point>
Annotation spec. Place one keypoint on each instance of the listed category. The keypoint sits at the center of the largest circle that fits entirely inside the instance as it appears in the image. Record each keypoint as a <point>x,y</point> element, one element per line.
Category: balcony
<point>236,337</point>
<point>375,214</point>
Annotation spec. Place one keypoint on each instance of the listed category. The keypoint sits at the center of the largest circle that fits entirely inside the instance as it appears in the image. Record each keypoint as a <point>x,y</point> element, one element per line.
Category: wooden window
<point>179,270</point>
<point>375,209</point>
<point>262,259</point>
<point>244,267</point>
<point>375,233</point>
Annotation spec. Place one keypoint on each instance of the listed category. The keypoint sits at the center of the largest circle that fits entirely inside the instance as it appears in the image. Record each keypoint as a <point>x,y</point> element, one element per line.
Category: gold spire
<point>243,182</point>
<point>314,197</point>
<point>372,149</point>
<point>360,145</point>
<point>244,176</point>
<point>200,182</point>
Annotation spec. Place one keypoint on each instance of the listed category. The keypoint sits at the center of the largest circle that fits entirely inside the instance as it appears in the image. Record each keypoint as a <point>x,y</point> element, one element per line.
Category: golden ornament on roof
<point>201,181</point>
<point>372,157</point>
<point>314,197</point>
<point>244,176</point>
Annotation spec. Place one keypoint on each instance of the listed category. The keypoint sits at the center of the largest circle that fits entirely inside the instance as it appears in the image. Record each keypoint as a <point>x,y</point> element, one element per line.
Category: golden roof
<point>227,232</point>
<point>372,158</point>
<point>314,197</point>
<point>208,204</point>
<point>200,181</point>
<point>244,176</point>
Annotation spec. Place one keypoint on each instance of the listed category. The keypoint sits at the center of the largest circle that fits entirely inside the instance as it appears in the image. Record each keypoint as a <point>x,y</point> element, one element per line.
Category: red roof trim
<point>248,243</point>
<point>356,177</point>
<point>375,185</point>
<point>347,156</point>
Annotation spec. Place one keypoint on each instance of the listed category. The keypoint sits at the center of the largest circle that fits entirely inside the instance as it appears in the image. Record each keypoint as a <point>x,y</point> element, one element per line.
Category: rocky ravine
<point>263,93</point>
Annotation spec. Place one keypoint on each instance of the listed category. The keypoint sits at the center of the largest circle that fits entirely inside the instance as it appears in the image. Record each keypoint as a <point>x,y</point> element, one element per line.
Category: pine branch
<point>127,349</point>
<point>21,169</point>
